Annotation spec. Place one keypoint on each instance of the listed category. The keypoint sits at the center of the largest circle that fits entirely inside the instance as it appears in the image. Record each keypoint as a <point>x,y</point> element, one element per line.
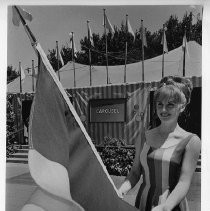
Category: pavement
<point>20,185</point>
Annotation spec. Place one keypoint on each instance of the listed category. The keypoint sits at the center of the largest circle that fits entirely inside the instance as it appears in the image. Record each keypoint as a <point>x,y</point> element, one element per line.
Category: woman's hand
<point>125,187</point>
<point>161,207</point>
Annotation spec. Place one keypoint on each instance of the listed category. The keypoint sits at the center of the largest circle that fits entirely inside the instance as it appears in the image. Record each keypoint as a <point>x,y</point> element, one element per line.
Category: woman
<point>168,157</point>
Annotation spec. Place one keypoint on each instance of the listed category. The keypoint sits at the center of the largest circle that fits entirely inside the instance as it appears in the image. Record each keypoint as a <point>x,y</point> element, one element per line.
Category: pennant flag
<point>184,45</point>
<point>107,24</point>
<point>16,18</point>
<point>144,36</point>
<point>90,36</point>
<point>72,44</point>
<point>164,42</point>
<point>129,28</point>
<point>60,57</point>
<point>62,158</point>
<point>22,73</point>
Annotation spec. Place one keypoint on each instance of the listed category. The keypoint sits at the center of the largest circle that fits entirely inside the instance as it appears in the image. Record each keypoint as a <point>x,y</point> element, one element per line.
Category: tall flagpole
<point>184,53</point>
<point>33,75</point>
<point>20,78</point>
<point>126,46</point>
<point>142,48</point>
<point>163,39</point>
<point>73,58</point>
<point>89,47</point>
<point>21,120</point>
<point>27,29</point>
<point>107,71</point>
<point>57,49</point>
<point>33,43</point>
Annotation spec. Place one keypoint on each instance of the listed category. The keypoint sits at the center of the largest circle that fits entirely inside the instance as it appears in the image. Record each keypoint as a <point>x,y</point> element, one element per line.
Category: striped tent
<point>135,92</point>
<point>153,69</point>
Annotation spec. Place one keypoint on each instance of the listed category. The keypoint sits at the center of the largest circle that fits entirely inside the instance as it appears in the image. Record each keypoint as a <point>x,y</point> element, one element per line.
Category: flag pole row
<point>107,26</point>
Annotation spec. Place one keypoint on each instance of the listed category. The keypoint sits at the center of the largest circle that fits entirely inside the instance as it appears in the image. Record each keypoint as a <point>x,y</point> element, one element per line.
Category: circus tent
<point>173,65</point>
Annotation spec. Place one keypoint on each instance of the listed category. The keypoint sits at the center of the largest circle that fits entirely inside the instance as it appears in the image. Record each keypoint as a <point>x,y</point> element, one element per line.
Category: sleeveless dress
<point>161,169</point>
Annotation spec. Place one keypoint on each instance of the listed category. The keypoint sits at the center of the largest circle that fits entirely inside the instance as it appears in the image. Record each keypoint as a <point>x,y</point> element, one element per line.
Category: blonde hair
<point>176,88</point>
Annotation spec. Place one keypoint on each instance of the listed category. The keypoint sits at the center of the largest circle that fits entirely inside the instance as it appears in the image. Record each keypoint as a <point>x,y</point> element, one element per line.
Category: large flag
<point>16,17</point>
<point>129,28</point>
<point>164,42</point>
<point>90,36</point>
<point>62,158</point>
<point>72,44</point>
<point>143,31</point>
<point>107,24</point>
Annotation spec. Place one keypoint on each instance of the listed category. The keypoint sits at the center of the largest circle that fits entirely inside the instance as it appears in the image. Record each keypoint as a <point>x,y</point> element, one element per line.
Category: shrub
<point>116,156</point>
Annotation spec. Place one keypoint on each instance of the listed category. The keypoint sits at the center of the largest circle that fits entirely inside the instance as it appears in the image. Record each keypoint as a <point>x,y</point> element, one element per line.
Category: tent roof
<point>152,70</point>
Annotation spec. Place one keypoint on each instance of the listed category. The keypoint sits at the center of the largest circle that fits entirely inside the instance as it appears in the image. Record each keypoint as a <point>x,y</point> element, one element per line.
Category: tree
<point>116,43</point>
<point>11,73</point>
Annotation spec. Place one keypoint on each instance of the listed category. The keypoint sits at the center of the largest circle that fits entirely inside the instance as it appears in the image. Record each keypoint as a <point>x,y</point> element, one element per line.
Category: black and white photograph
<point>104,106</point>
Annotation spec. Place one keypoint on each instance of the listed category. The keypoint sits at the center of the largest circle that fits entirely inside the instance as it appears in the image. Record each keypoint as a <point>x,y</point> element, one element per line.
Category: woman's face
<point>168,110</point>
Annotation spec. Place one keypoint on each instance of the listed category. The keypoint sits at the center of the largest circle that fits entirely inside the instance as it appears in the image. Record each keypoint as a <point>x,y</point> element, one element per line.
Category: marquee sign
<point>107,110</point>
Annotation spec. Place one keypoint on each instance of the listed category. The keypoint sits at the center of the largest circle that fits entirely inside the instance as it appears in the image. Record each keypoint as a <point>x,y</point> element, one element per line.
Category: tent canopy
<point>173,65</point>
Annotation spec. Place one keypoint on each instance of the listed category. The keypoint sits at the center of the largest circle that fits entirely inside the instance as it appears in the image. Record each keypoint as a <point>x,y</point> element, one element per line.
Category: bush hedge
<point>116,156</point>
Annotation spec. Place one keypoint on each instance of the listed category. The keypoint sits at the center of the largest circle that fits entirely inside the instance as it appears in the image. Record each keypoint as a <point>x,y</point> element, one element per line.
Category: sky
<point>54,23</point>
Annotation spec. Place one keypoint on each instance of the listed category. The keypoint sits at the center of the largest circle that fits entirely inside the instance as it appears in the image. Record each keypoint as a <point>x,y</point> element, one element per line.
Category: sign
<point>107,110</point>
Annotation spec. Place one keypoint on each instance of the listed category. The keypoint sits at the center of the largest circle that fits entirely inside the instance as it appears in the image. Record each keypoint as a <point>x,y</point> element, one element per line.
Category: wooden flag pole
<point>89,47</point>
<point>33,75</point>
<point>142,48</point>
<point>20,77</point>
<point>184,53</point>
<point>58,66</point>
<point>27,29</point>
<point>72,33</point>
<point>163,39</point>
<point>107,71</point>
<point>21,134</point>
<point>126,46</point>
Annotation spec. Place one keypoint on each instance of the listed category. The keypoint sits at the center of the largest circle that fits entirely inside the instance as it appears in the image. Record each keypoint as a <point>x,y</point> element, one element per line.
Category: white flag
<point>129,28</point>
<point>72,44</point>
<point>22,73</point>
<point>90,36</point>
<point>184,45</point>
<point>164,42</point>
<point>60,57</point>
<point>144,35</point>
<point>107,24</point>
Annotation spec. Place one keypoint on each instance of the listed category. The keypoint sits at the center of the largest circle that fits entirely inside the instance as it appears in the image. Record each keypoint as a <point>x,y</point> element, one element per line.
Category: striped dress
<point>161,170</point>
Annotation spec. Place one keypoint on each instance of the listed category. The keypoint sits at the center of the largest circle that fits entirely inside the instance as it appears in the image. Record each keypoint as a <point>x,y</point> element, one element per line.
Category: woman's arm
<point>188,167</point>
<point>134,175</point>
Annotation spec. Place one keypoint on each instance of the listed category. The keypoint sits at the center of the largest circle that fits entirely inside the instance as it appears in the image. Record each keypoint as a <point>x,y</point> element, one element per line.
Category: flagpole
<point>27,29</point>
<point>33,42</point>
<point>20,78</point>
<point>126,46</point>
<point>21,120</point>
<point>163,39</point>
<point>107,71</point>
<point>89,47</point>
<point>57,60</point>
<point>142,48</point>
<point>73,58</point>
<point>184,53</point>
<point>33,75</point>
